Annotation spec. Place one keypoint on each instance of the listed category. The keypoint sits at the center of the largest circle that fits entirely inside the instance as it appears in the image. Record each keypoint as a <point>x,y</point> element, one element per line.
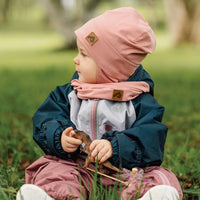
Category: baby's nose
<point>76,61</point>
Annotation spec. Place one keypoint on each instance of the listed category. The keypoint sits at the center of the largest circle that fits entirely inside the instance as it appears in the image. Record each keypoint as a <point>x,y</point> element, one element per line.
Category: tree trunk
<point>184,20</point>
<point>56,14</point>
<point>5,9</point>
<point>66,19</point>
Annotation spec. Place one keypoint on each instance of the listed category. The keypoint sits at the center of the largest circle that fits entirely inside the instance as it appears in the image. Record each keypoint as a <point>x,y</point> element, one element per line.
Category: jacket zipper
<point>93,118</point>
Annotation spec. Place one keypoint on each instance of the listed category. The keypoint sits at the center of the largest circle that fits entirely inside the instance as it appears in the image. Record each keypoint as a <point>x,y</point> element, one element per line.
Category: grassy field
<point>31,66</point>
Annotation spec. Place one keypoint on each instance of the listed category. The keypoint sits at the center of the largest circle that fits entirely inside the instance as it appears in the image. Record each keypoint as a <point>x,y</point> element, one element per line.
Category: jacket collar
<point>142,75</point>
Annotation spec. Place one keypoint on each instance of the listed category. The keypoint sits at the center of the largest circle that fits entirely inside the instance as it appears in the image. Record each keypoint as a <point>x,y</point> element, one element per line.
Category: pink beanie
<point>118,41</point>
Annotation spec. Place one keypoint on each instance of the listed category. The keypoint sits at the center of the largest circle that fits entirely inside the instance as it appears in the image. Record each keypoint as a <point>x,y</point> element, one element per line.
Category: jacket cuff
<point>53,132</point>
<point>57,142</point>
<point>51,129</point>
<point>115,156</point>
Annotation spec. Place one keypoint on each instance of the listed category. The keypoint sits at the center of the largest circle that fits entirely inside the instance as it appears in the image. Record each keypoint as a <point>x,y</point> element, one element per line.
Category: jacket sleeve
<point>143,144</point>
<point>49,121</point>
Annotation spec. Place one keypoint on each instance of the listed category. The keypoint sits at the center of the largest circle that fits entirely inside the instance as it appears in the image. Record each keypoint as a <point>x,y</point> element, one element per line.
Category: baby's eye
<point>83,54</point>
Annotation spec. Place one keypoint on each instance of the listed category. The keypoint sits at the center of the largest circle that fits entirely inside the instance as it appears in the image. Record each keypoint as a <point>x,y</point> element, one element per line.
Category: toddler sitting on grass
<point>111,98</point>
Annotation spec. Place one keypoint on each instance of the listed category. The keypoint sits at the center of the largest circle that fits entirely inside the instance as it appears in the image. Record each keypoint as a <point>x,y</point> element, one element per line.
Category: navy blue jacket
<point>140,146</point>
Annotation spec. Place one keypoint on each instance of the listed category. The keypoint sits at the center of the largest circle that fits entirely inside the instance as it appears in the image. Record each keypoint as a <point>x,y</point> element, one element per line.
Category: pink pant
<point>63,179</point>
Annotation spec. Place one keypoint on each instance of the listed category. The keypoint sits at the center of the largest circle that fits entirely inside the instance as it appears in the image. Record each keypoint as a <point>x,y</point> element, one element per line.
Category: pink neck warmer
<point>123,91</point>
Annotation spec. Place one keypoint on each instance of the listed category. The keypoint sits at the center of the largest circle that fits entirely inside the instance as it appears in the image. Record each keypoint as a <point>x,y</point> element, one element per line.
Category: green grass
<point>31,66</point>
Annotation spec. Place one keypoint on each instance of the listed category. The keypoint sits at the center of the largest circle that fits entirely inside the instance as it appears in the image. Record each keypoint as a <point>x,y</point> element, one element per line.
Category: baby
<point>111,98</point>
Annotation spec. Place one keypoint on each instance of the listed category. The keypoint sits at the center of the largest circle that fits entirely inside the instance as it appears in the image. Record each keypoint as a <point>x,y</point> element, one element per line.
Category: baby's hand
<point>101,147</point>
<point>68,142</point>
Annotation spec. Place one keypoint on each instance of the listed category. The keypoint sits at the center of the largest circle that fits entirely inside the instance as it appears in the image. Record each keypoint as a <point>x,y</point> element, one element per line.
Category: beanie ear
<point>118,41</point>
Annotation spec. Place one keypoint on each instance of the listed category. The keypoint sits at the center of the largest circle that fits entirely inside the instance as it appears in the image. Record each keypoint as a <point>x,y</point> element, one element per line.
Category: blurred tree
<point>67,15</point>
<point>4,8</point>
<point>12,10</point>
<point>184,20</point>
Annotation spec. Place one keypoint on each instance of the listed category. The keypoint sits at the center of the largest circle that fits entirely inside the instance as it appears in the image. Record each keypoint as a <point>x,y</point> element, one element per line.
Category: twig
<point>110,177</point>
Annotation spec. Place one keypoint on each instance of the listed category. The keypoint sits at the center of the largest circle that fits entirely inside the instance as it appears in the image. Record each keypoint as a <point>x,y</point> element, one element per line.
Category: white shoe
<point>32,192</point>
<point>161,192</point>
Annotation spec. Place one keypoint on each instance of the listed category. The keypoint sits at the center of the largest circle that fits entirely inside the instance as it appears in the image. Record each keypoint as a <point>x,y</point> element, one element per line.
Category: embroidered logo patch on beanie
<point>92,38</point>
